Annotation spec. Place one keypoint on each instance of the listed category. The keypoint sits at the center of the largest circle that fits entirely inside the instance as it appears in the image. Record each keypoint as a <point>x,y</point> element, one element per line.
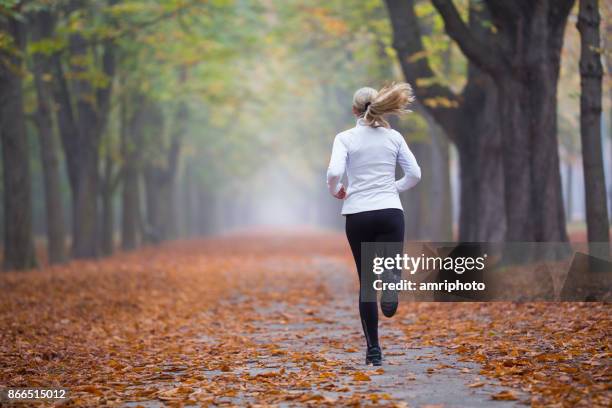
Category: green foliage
<point>270,80</point>
<point>47,46</point>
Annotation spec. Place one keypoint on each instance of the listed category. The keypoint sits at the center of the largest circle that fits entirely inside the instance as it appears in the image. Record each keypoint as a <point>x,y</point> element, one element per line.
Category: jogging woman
<point>369,153</point>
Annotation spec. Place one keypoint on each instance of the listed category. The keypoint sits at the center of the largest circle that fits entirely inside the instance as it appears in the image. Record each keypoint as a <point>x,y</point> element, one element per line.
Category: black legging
<point>385,225</point>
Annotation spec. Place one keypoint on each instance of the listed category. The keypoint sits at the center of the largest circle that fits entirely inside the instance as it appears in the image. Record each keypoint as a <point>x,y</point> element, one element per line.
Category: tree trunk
<point>478,142</point>
<point>159,195</point>
<point>131,139</point>
<point>514,96</point>
<point>523,58</point>
<point>107,190</point>
<point>591,72</point>
<point>108,219</point>
<point>541,114</point>
<point>18,242</point>
<point>130,214</point>
<point>55,226</point>
<point>153,227</point>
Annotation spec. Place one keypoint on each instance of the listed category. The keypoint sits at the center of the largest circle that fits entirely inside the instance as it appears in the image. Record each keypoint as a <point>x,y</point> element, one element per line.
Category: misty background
<point>192,118</point>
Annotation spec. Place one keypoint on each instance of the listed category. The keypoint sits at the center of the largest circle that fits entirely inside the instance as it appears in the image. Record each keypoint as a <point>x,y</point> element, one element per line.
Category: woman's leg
<point>361,228</point>
<point>391,233</point>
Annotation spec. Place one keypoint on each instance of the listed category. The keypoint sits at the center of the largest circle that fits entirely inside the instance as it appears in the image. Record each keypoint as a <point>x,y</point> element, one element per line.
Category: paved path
<point>317,354</point>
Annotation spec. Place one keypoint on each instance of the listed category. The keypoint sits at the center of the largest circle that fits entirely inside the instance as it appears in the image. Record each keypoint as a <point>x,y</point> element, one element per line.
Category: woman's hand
<point>341,194</point>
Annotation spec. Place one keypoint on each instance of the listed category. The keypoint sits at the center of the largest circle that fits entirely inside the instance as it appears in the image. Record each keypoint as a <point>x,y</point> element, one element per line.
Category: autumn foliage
<point>206,322</point>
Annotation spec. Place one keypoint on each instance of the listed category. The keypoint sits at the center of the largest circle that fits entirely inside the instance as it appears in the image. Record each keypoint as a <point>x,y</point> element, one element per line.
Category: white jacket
<point>369,156</point>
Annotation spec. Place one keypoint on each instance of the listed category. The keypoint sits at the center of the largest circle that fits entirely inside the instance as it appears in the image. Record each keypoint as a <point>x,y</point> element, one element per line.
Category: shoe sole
<point>389,299</point>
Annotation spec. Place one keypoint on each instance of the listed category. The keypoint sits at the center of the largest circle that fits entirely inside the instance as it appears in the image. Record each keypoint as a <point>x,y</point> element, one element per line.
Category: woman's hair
<point>372,105</point>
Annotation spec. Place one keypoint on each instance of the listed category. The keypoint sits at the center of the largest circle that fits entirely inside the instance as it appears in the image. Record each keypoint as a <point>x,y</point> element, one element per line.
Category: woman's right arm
<point>337,165</point>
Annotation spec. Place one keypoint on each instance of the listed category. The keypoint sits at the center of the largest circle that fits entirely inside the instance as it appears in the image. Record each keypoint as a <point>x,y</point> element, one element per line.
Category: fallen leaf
<point>359,376</point>
<point>504,396</point>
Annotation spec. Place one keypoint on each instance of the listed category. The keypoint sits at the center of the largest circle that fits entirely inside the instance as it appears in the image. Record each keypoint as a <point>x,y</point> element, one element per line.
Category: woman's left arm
<point>337,166</point>
<point>408,163</point>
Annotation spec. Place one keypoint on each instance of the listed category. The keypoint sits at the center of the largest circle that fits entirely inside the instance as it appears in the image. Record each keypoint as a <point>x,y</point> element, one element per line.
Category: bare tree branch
<point>485,55</point>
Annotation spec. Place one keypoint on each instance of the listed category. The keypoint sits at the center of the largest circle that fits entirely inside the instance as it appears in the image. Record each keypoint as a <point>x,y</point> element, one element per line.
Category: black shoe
<point>389,298</point>
<point>374,356</point>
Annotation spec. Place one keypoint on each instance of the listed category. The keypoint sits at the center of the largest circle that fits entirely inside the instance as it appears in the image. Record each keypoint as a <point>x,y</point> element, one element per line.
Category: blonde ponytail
<point>372,105</point>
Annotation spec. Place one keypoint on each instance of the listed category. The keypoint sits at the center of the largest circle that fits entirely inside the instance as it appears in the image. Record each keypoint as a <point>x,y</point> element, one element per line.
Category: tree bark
<point>516,160</point>
<point>130,215</point>
<point>18,242</point>
<point>591,72</point>
<point>42,28</point>
<point>482,209</point>
<point>108,219</point>
<point>523,58</point>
